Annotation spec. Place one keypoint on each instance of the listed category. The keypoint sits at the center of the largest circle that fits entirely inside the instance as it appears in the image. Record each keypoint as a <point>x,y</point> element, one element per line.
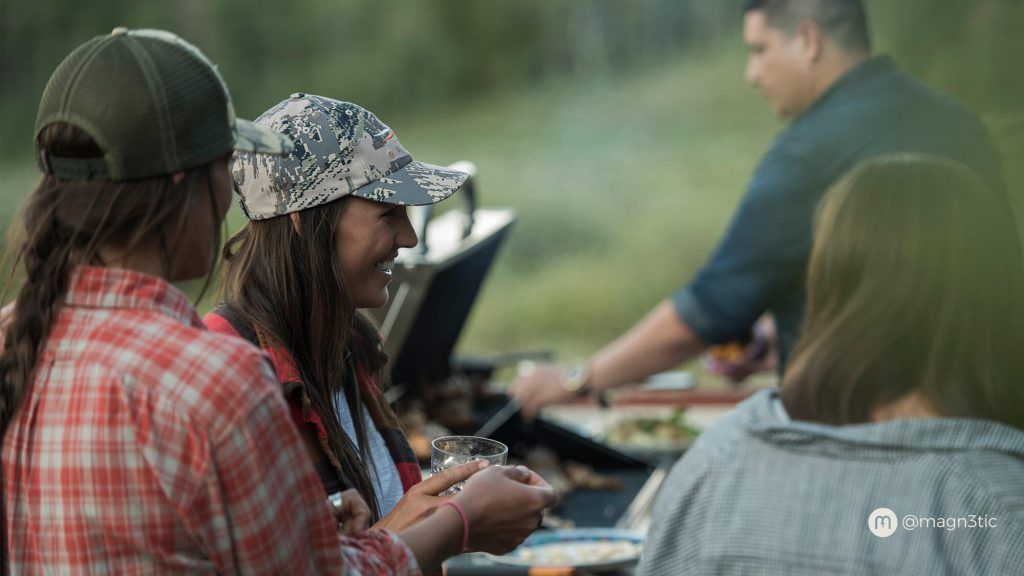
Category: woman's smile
<point>369,235</point>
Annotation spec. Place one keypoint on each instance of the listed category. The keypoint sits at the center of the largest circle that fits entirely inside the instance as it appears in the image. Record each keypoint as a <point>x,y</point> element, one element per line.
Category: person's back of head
<point>132,135</point>
<point>914,285</point>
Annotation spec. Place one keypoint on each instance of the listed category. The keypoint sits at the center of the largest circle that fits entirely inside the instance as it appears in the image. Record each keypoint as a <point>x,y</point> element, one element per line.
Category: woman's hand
<point>422,499</point>
<point>503,505</point>
<point>351,513</point>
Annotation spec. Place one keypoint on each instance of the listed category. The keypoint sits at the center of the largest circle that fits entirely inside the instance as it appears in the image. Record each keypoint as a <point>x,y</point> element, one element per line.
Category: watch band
<point>577,376</point>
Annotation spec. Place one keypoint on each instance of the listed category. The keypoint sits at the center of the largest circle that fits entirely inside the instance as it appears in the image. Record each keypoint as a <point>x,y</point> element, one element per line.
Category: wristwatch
<point>576,376</point>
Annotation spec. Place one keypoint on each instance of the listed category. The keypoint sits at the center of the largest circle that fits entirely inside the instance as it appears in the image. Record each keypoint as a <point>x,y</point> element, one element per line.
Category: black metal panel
<point>601,508</point>
<point>427,351</point>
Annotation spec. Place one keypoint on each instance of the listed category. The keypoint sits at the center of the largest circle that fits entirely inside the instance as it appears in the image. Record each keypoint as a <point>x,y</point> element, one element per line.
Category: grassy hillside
<point>622,186</point>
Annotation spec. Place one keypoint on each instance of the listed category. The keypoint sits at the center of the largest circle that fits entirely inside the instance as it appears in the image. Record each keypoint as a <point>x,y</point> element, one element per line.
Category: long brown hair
<point>289,288</point>
<point>915,283</point>
<point>64,224</point>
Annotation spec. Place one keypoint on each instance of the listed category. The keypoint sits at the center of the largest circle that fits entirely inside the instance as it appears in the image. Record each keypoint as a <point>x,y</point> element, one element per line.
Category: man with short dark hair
<point>788,60</point>
<point>811,59</point>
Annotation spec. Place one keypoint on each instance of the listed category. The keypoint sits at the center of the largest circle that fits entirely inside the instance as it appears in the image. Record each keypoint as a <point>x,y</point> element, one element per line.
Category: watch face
<point>576,376</point>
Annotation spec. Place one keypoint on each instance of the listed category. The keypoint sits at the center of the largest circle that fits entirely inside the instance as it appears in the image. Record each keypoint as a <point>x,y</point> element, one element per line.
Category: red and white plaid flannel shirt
<point>150,445</point>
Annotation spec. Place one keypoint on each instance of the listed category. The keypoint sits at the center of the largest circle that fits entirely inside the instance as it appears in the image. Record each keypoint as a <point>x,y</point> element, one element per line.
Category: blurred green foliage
<point>620,131</point>
<point>390,54</point>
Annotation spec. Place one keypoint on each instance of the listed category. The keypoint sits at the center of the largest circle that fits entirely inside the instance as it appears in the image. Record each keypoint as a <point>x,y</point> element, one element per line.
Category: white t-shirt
<point>387,485</point>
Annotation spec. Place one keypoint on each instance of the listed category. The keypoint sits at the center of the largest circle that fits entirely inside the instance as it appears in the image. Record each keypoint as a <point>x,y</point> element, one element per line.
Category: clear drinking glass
<point>449,451</point>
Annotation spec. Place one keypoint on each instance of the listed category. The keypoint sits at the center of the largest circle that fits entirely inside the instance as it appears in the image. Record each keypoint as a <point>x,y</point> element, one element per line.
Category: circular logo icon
<point>882,522</point>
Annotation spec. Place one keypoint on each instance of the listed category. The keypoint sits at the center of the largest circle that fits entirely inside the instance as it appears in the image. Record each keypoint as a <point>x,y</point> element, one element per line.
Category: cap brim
<point>252,138</point>
<point>414,184</point>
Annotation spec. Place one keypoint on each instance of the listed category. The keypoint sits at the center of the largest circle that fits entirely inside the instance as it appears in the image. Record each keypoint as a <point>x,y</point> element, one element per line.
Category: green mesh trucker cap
<point>152,102</point>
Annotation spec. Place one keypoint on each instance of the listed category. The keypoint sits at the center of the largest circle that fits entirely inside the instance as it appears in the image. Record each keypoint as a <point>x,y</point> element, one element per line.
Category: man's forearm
<point>659,342</point>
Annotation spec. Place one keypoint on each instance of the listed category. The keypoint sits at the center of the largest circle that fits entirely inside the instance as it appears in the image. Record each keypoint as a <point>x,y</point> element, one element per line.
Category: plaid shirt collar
<point>98,287</point>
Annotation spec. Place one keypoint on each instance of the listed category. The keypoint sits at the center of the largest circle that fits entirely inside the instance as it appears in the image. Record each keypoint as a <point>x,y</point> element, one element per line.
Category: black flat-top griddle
<point>591,508</point>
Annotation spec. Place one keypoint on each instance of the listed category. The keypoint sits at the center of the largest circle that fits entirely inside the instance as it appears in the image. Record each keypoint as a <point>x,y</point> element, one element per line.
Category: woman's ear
<point>296,222</point>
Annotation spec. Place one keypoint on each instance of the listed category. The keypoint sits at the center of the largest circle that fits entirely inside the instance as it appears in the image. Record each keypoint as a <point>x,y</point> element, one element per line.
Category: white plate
<point>597,424</point>
<point>593,549</point>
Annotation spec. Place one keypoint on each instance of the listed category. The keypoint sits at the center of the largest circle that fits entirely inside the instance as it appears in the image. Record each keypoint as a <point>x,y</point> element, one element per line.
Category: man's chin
<point>784,113</point>
<point>777,109</point>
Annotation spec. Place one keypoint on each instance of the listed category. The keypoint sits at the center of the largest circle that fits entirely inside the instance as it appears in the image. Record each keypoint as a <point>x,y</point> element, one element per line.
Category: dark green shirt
<point>873,110</point>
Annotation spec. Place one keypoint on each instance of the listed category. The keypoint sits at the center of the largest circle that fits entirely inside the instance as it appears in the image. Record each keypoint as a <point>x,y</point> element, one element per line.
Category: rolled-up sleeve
<point>762,256</point>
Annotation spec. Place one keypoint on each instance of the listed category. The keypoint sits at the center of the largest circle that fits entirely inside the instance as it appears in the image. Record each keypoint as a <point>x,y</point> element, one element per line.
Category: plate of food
<point>655,434</point>
<point>591,549</point>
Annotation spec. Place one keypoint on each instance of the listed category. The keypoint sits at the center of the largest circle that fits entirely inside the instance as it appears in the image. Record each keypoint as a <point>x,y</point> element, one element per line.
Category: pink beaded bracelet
<point>465,522</point>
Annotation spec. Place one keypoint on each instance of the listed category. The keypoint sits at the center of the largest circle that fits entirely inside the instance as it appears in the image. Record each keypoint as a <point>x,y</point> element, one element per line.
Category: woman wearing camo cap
<point>326,223</point>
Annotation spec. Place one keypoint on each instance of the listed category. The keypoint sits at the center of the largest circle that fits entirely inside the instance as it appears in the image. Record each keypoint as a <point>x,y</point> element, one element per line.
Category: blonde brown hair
<point>915,283</point>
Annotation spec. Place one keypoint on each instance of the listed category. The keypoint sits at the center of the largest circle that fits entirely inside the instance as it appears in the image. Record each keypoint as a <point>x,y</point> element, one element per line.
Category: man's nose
<point>751,74</point>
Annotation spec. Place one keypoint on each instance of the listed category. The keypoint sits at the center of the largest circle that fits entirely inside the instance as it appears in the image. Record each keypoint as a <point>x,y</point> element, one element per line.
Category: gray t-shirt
<point>387,485</point>
<point>759,493</point>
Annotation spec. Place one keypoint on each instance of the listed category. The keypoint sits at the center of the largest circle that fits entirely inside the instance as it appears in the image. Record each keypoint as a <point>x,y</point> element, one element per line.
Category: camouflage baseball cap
<point>340,149</point>
<point>152,102</point>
